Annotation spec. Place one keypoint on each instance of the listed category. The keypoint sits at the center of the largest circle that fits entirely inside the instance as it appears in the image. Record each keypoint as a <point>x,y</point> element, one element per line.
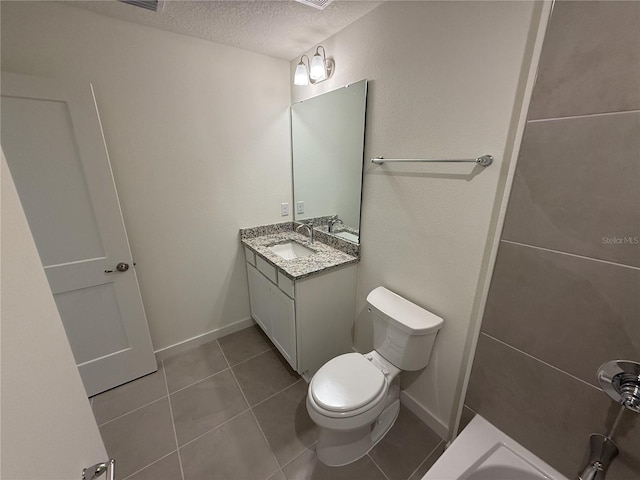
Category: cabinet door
<point>325,307</point>
<point>283,324</point>
<point>259,298</point>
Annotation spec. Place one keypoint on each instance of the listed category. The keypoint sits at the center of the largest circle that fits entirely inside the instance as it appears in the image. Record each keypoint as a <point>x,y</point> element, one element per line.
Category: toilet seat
<point>346,386</point>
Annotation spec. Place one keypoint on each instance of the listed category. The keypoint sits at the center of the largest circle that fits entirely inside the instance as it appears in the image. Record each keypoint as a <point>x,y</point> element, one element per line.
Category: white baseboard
<point>423,414</point>
<point>198,340</point>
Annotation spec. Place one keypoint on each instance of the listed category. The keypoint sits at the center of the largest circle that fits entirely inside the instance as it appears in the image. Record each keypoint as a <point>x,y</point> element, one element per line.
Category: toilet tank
<point>403,332</point>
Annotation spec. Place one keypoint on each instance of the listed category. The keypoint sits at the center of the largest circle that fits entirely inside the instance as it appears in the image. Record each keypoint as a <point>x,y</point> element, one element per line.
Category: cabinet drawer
<point>267,269</point>
<point>250,256</point>
<point>286,284</point>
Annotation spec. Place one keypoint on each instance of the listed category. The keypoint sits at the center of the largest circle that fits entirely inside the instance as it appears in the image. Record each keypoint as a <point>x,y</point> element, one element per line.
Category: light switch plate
<point>284,209</point>
<point>300,207</point>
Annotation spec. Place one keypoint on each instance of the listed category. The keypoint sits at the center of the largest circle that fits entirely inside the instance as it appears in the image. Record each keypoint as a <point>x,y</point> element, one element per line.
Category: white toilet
<point>353,398</point>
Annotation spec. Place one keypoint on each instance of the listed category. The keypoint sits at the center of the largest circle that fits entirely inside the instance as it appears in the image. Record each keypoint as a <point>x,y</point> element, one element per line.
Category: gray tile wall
<point>565,293</point>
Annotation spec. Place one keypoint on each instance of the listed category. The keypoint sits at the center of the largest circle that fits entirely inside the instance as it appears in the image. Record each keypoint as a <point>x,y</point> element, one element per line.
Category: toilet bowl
<point>347,398</point>
<point>354,398</point>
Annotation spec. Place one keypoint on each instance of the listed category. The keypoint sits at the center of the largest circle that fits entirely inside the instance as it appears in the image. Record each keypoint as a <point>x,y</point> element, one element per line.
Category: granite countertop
<point>324,259</point>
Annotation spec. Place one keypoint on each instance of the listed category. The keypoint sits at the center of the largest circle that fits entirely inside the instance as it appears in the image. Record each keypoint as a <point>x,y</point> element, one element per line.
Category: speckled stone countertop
<point>259,240</point>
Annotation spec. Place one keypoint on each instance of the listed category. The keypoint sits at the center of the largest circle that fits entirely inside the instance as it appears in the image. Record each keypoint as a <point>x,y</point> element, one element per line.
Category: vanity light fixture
<point>318,68</point>
<point>315,71</point>
<point>301,77</point>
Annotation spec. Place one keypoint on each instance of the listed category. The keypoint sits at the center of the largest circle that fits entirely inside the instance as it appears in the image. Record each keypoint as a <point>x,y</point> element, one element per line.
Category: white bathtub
<point>482,452</point>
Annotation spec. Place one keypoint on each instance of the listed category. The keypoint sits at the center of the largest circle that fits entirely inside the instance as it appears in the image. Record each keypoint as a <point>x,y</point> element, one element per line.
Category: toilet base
<point>336,448</point>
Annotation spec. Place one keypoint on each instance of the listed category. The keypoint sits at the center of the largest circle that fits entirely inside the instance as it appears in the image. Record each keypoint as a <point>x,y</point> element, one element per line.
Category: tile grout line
<point>246,359</point>
<point>541,361</point>
<point>198,381</point>
<point>253,415</point>
<point>278,466</point>
<point>131,411</point>
<point>377,466</point>
<point>215,428</point>
<point>173,423</point>
<point>306,449</point>
<point>584,115</point>
<point>214,374</point>
<point>583,257</point>
<point>152,463</point>
<point>426,458</point>
<point>278,392</point>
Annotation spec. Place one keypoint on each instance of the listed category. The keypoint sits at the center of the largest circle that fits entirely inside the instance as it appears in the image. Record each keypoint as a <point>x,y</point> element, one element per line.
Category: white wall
<point>198,135</point>
<point>445,81</point>
<point>48,430</point>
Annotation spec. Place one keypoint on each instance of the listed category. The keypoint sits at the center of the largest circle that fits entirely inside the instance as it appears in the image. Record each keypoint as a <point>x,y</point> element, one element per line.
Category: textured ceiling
<point>278,28</point>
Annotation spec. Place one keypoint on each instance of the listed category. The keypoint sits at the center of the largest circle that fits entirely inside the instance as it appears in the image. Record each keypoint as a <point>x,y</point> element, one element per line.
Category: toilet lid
<point>346,383</point>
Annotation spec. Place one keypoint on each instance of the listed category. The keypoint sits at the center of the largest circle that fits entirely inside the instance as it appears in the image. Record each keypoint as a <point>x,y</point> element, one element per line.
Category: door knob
<point>120,267</point>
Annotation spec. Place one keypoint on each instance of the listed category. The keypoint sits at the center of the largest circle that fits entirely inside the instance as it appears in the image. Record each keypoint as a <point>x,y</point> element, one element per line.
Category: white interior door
<point>48,430</point>
<point>53,143</point>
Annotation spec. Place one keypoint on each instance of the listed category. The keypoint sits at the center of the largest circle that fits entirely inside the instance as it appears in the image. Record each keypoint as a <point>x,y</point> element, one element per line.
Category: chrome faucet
<point>603,451</point>
<point>309,227</point>
<point>332,223</point>
<point>620,379</point>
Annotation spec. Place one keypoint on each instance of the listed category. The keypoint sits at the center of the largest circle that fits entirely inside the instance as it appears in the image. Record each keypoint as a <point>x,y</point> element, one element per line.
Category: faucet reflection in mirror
<point>315,71</point>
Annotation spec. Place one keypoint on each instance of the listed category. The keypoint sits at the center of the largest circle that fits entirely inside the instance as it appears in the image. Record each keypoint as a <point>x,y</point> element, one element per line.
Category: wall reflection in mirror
<point>328,142</point>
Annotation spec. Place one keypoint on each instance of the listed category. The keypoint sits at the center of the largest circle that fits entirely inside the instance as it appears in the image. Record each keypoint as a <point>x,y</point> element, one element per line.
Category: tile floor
<point>234,409</point>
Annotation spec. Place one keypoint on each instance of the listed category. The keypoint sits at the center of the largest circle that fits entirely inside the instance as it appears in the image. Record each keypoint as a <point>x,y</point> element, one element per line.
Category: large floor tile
<point>264,375</point>
<point>194,365</point>
<point>140,438</point>
<point>590,60</point>
<point>547,411</point>
<point>243,345</point>
<point>220,437</point>
<point>405,446</point>
<point>286,423</point>
<point>571,312</point>
<point>120,400</point>
<point>233,451</point>
<point>577,187</point>
<point>205,405</point>
<point>308,467</point>
<point>428,463</point>
<point>166,469</point>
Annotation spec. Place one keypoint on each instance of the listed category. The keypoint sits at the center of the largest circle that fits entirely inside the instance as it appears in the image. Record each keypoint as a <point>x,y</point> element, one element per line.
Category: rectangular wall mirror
<point>328,146</point>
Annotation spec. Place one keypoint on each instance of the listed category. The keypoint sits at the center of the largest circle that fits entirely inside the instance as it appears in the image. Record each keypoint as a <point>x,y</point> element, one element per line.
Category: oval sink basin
<point>291,250</point>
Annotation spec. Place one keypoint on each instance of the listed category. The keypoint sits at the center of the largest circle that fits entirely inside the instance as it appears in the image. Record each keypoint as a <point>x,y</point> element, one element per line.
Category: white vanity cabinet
<point>309,320</point>
<point>274,312</point>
